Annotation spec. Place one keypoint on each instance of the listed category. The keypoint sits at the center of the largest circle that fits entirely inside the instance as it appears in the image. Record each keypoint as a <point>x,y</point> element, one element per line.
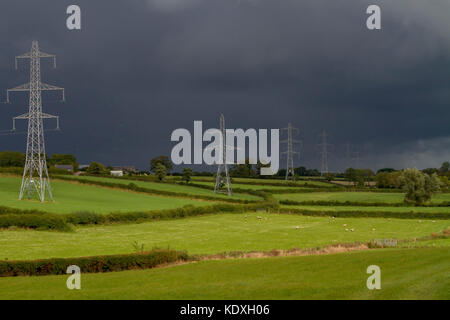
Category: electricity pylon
<point>324,145</point>
<point>35,174</point>
<point>223,167</point>
<point>290,174</point>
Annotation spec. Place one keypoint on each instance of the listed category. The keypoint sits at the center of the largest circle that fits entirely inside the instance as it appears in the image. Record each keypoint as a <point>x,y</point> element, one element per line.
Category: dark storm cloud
<point>140,69</point>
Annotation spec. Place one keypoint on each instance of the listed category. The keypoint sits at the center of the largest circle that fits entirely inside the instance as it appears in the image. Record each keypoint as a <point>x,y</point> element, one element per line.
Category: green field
<point>369,209</point>
<point>265,182</point>
<point>405,274</point>
<point>367,197</point>
<point>211,234</point>
<point>171,187</point>
<point>252,186</point>
<point>73,197</point>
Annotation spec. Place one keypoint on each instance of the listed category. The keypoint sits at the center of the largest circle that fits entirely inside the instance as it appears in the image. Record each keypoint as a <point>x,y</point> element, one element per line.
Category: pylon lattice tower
<point>290,174</point>
<point>223,181</point>
<point>324,152</point>
<point>35,174</point>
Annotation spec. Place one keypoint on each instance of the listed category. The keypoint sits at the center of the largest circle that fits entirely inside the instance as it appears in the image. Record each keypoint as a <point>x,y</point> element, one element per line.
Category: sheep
<point>344,225</point>
<point>346,230</point>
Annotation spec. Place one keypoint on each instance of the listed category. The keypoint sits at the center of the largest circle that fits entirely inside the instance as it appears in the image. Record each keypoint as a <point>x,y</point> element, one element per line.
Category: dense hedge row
<point>356,203</point>
<point>31,221</point>
<point>95,264</point>
<point>368,214</point>
<point>8,210</point>
<point>133,187</point>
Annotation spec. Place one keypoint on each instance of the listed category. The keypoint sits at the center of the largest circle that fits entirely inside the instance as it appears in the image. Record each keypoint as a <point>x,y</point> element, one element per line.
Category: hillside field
<point>211,234</point>
<point>72,197</point>
<point>405,273</point>
<point>417,268</point>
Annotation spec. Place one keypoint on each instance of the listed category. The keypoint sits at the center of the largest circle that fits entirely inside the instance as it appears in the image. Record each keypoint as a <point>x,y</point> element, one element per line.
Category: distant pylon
<point>223,167</point>
<point>35,174</point>
<point>290,174</point>
<point>324,152</point>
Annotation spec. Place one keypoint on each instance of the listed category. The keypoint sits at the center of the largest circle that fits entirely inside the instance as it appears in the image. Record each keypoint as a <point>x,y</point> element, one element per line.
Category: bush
<point>419,186</point>
<point>31,221</point>
<point>95,264</point>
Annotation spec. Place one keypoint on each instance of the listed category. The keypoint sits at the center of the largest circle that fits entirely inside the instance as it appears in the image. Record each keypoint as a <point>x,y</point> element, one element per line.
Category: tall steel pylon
<point>35,174</point>
<point>290,174</point>
<point>324,152</point>
<point>223,167</point>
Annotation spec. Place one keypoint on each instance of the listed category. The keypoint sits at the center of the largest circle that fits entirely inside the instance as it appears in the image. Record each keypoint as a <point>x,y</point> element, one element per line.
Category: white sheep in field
<point>346,230</point>
<point>297,227</point>
<point>344,225</point>
<point>352,229</point>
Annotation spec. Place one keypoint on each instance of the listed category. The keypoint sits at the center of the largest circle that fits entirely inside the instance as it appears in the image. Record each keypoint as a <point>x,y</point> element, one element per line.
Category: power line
<point>324,152</point>
<point>290,174</point>
<point>223,167</point>
<point>35,174</point>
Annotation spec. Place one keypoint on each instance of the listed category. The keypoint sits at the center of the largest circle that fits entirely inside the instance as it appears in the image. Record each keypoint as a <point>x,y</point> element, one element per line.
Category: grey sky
<point>139,69</point>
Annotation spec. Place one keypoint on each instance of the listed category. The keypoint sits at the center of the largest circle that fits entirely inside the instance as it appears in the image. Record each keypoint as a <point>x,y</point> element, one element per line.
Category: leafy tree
<point>419,186</point>
<point>12,159</point>
<point>445,167</point>
<point>161,160</point>
<point>351,175</point>
<point>388,170</point>
<point>388,180</point>
<point>160,171</point>
<point>243,170</point>
<point>187,174</point>
<point>329,176</point>
<point>430,171</point>
<point>96,168</point>
<point>301,171</point>
<point>68,159</point>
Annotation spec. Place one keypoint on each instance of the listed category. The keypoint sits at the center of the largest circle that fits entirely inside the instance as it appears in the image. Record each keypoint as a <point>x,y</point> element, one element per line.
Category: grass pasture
<point>211,234</point>
<point>369,209</point>
<point>72,197</point>
<point>405,273</point>
<point>269,182</point>
<point>416,273</point>
<point>171,187</point>
<point>365,197</point>
<point>244,186</point>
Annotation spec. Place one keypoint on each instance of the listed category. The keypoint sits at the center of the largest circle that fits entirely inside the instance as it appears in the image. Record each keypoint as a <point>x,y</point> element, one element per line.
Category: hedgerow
<point>145,260</point>
<point>368,214</point>
<point>356,203</point>
<point>133,187</point>
<point>30,221</point>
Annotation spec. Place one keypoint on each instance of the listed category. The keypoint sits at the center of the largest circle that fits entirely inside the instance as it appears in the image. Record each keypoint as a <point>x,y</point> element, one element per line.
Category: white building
<point>117,173</point>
